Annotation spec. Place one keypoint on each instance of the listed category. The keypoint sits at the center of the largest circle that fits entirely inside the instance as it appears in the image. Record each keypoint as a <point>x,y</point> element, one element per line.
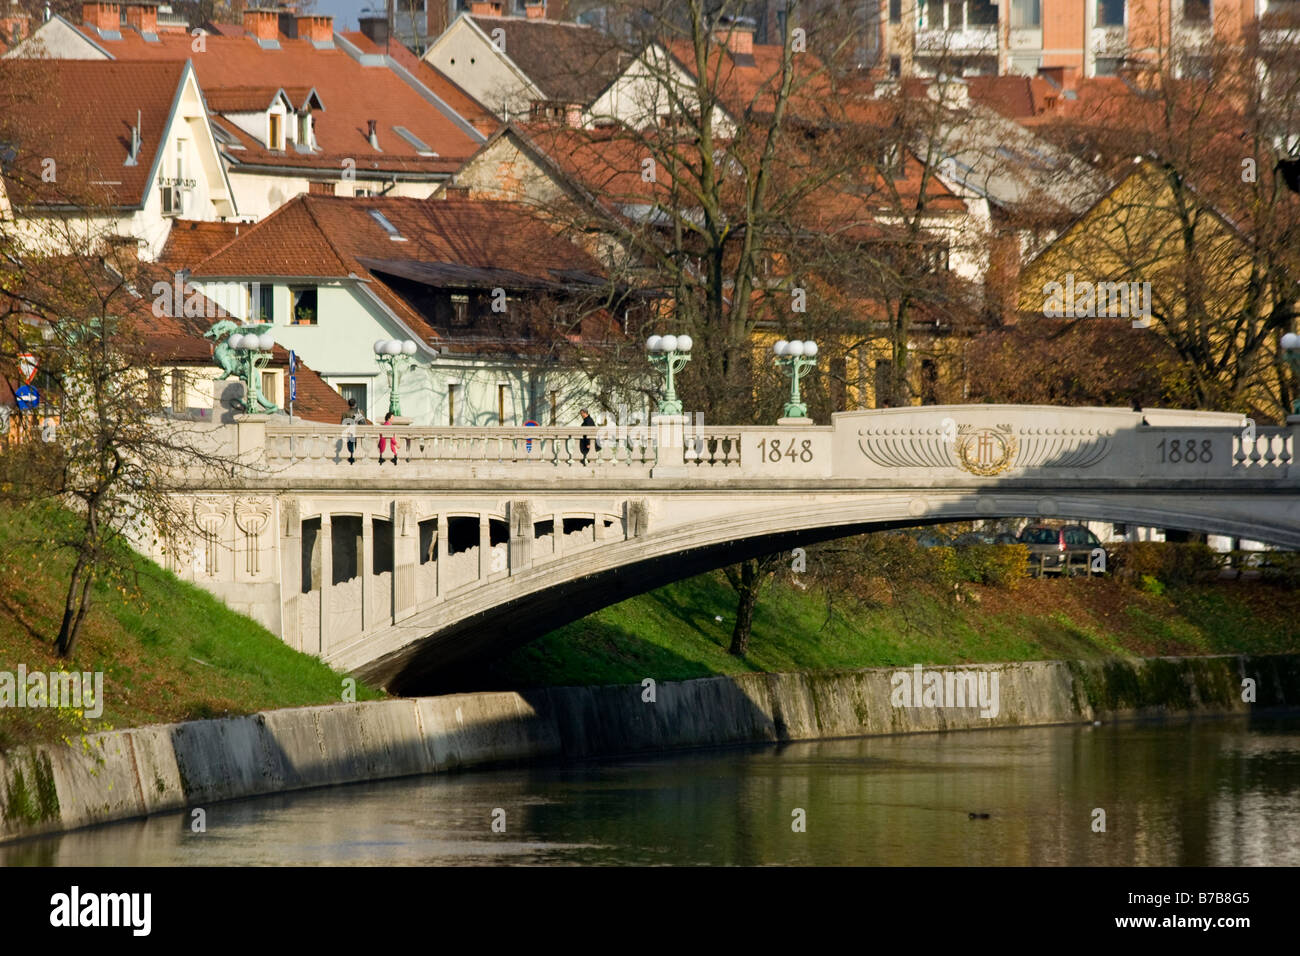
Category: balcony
<point>968,41</point>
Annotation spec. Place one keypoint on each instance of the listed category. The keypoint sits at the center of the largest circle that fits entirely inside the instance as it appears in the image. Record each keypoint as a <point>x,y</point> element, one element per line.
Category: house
<point>109,149</point>
<point>490,296</point>
<point>296,108</point>
<point>525,66</point>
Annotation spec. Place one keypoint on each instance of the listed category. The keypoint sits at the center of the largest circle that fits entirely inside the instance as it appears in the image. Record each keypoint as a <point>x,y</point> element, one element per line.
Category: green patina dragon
<point>244,366</point>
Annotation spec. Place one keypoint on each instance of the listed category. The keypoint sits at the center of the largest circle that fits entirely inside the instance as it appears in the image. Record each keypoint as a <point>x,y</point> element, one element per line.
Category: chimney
<point>376,28</point>
<point>262,24</point>
<point>102,15</point>
<point>373,135</point>
<point>536,9</point>
<point>736,34</point>
<point>143,17</point>
<point>485,8</point>
<point>318,29</point>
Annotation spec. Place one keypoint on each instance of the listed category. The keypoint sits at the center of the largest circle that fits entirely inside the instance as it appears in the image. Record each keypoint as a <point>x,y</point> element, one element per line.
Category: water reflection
<point>1189,793</point>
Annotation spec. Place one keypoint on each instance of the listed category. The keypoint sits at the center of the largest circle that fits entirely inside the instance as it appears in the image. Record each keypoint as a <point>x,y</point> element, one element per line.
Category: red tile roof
<point>190,241</point>
<point>478,115</point>
<point>335,237</point>
<point>351,94</point>
<point>79,113</point>
<point>568,62</point>
<point>1015,97</point>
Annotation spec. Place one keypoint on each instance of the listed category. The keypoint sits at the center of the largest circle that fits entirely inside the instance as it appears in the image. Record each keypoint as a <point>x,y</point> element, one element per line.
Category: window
<point>275,132</point>
<point>1026,13</point>
<point>884,383</point>
<point>1196,11</point>
<point>387,226</point>
<point>259,301</point>
<point>304,129</point>
<point>895,11</point>
<point>1108,65</point>
<point>421,147</point>
<point>455,396</point>
<point>929,382</point>
<point>320,189</point>
<point>460,310</point>
<point>180,162</point>
<point>269,391</point>
<point>155,388</point>
<point>981,13</point>
<point>956,15</point>
<point>180,390</point>
<point>304,305</point>
<point>504,405</point>
<point>1110,13</point>
<point>359,393</point>
<point>895,66</point>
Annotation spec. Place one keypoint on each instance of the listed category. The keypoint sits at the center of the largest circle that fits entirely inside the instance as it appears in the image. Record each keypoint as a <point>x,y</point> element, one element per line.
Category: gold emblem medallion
<point>986,451</point>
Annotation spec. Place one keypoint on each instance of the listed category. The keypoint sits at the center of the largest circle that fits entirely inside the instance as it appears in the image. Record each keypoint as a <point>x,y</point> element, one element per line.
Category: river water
<point>1209,792</point>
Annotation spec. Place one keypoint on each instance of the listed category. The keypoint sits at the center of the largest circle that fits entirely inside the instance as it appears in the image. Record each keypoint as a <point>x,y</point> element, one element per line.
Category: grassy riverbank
<point>168,650</point>
<point>674,633</point>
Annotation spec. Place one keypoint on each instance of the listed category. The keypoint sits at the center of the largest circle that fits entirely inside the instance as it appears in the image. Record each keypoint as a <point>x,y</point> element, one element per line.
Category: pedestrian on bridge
<point>353,416</point>
<point>389,439</point>
<point>585,444</point>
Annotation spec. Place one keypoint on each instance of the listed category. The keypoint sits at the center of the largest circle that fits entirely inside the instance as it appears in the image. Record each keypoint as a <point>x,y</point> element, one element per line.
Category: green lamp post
<point>1291,356</point>
<point>253,351</point>
<point>669,353</point>
<point>794,358</point>
<point>395,357</point>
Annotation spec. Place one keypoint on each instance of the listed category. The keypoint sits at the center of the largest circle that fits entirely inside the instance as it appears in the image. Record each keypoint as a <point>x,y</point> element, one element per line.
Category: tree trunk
<point>75,606</point>
<point>748,583</point>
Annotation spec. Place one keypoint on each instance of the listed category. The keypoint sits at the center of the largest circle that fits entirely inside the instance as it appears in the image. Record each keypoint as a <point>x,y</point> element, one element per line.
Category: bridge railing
<point>631,447</point>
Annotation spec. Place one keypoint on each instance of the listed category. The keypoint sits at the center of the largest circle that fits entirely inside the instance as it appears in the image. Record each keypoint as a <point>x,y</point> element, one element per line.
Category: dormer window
<point>304,130</point>
<point>275,131</point>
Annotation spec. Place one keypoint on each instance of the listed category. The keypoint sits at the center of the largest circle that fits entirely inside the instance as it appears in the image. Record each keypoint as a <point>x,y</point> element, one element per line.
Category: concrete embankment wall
<point>130,773</point>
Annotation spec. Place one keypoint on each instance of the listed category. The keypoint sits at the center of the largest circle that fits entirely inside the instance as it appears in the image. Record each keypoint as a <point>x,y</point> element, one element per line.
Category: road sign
<point>293,362</point>
<point>27,397</point>
<point>293,387</point>
<point>27,365</point>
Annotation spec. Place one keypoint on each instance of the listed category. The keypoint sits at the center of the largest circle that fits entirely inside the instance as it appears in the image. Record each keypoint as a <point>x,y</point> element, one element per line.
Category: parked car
<point>1005,537</point>
<point>972,538</point>
<point>1065,550</point>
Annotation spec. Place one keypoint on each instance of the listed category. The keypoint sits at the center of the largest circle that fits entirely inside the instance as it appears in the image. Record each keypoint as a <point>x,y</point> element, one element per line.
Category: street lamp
<point>395,356</point>
<point>255,350</point>
<point>1291,355</point>
<point>794,358</point>
<point>669,353</point>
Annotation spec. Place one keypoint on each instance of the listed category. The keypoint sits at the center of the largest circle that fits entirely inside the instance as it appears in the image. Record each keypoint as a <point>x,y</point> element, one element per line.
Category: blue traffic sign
<point>293,388</point>
<point>27,397</point>
<point>293,362</point>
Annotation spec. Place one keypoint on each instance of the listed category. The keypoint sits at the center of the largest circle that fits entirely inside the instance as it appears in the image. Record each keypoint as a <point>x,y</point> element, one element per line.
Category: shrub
<point>998,565</point>
<point>1175,564</point>
<point>1152,585</point>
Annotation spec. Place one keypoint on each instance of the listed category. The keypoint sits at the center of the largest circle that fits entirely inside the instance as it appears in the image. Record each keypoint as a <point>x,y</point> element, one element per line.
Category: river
<point>1208,792</point>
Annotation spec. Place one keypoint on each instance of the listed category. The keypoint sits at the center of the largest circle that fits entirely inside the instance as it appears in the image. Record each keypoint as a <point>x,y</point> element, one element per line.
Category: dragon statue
<point>246,366</point>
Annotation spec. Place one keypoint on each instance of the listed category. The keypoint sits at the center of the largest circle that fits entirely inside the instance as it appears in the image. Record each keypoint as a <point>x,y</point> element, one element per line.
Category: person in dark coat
<point>585,444</point>
<point>353,416</point>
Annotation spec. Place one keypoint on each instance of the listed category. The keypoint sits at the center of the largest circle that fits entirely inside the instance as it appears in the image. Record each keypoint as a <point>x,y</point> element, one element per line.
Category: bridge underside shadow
<point>439,659</point>
<point>445,661</point>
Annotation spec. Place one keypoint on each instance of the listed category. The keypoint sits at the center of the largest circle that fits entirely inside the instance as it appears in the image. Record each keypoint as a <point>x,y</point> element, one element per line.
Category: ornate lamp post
<point>1291,356</point>
<point>669,353</point>
<point>254,351</point>
<point>395,356</point>
<point>794,358</point>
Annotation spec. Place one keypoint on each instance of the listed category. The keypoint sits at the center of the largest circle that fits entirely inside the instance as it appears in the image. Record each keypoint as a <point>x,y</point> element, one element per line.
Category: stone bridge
<point>480,539</point>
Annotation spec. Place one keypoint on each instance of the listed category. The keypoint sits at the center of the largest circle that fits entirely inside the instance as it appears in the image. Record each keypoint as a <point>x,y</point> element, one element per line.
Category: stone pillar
<point>444,542</point>
<point>557,534</point>
<point>484,547</point>
<point>326,580</point>
<point>521,536</point>
<point>366,562</point>
<point>290,546</point>
<point>406,557</point>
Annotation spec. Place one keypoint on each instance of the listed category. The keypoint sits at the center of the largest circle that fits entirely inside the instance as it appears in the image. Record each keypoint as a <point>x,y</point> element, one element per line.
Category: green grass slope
<point>674,633</point>
<point>168,650</point>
